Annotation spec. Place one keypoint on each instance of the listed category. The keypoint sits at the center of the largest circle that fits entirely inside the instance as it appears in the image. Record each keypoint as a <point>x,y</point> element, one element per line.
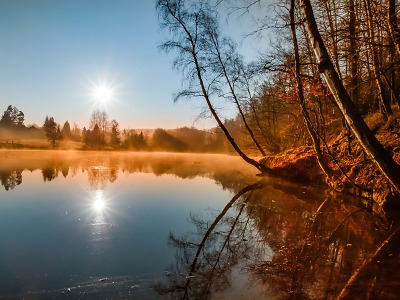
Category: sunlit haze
<point>67,58</point>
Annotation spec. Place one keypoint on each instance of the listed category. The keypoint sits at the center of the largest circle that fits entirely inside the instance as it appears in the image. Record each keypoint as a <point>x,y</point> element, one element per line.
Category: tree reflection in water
<point>49,173</point>
<point>292,246</point>
<point>315,256</point>
<point>229,172</point>
<point>10,179</point>
<point>100,175</point>
<point>203,267</point>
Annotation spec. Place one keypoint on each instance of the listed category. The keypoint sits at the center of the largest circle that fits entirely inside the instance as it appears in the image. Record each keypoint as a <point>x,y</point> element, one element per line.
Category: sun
<point>103,93</point>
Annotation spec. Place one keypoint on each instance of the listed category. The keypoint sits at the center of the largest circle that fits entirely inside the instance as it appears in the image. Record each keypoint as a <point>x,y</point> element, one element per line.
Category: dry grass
<point>38,144</point>
<point>375,121</point>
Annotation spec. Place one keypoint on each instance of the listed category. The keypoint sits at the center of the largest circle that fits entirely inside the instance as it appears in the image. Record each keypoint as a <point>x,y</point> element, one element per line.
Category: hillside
<point>353,172</point>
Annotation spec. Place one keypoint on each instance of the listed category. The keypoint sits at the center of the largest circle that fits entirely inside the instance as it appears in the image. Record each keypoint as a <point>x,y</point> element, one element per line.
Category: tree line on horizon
<point>103,134</point>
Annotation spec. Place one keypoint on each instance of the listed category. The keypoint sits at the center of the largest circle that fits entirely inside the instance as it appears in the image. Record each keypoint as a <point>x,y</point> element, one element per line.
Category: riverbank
<point>353,172</point>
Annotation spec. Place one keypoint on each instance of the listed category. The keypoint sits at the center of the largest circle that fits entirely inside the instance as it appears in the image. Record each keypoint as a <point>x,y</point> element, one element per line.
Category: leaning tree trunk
<point>300,94</point>
<point>380,157</point>
<point>214,40</point>
<point>235,146</point>
<point>192,39</point>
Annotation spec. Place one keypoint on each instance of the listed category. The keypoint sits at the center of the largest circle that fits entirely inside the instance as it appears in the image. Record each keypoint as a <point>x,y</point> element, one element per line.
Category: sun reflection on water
<point>99,222</point>
<point>99,203</point>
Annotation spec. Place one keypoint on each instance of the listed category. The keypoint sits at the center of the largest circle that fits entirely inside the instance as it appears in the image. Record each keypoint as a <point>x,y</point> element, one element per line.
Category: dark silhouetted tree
<point>10,179</point>
<point>49,173</point>
<point>115,134</point>
<point>95,136</point>
<point>66,131</point>
<point>52,130</point>
<point>84,131</point>
<point>20,119</point>
<point>6,119</point>
<point>134,140</point>
<point>12,117</point>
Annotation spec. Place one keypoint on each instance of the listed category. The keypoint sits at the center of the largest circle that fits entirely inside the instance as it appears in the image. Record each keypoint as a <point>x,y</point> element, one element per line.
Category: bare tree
<point>187,24</point>
<point>100,118</point>
<point>229,67</point>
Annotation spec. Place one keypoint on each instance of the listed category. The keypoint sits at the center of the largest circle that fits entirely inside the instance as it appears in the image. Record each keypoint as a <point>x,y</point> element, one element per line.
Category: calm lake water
<point>88,225</point>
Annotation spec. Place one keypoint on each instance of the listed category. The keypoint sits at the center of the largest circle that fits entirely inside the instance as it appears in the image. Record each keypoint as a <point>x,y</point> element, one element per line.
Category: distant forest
<point>103,134</point>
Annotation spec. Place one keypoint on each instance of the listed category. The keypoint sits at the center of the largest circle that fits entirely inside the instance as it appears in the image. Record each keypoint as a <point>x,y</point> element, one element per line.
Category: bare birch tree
<point>187,24</point>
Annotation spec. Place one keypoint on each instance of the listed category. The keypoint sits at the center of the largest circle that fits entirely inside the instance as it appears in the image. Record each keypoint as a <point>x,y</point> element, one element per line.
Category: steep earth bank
<point>353,172</point>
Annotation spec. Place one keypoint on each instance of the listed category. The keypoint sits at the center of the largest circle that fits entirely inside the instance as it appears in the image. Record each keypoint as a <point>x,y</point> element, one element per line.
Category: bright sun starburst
<point>103,93</point>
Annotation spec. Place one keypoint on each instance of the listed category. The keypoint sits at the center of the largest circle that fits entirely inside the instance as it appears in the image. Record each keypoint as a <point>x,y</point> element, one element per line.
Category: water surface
<point>179,226</point>
<point>100,222</point>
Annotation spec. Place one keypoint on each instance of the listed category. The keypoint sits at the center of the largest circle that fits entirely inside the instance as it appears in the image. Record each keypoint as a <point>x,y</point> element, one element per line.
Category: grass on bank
<point>39,144</point>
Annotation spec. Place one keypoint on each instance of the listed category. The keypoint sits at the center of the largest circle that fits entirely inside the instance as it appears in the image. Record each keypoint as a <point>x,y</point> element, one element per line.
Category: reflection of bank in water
<point>300,245</point>
<point>100,175</point>
<point>10,179</point>
<point>210,262</point>
<point>319,242</point>
<point>103,167</point>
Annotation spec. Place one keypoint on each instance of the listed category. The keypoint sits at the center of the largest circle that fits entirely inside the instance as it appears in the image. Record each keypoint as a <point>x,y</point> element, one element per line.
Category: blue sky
<point>52,53</point>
